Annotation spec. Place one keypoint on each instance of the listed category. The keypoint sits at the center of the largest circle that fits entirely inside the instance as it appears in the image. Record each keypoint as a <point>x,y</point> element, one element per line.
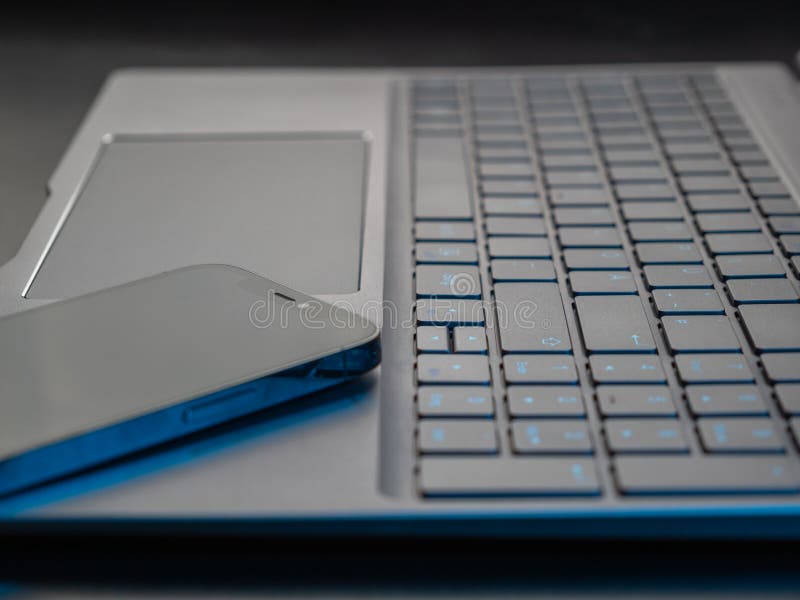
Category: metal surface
<point>325,461</point>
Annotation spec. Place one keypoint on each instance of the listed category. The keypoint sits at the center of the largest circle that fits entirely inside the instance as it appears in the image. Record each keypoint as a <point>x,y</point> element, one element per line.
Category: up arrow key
<point>614,324</point>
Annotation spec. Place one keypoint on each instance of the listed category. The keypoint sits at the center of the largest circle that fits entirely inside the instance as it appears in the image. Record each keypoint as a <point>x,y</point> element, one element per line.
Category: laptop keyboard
<point>606,279</point>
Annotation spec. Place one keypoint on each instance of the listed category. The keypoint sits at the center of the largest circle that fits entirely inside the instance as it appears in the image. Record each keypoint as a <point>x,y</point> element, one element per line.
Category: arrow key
<point>469,339</point>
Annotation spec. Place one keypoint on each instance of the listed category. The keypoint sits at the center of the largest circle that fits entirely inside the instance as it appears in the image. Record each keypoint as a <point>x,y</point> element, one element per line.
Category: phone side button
<point>224,407</point>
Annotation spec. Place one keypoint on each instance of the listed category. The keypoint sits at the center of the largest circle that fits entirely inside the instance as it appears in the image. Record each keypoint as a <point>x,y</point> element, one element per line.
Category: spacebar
<point>706,475</point>
<point>510,477</point>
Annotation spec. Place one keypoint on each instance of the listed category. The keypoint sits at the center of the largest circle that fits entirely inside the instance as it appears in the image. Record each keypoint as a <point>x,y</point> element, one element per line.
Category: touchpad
<point>289,208</point>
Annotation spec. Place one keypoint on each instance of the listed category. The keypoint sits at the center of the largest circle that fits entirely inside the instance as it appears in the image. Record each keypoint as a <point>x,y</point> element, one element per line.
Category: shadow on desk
<point>38,567</point>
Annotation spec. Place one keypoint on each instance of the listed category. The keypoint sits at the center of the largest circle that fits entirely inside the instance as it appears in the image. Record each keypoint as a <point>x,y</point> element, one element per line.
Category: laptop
<point>586,277</point>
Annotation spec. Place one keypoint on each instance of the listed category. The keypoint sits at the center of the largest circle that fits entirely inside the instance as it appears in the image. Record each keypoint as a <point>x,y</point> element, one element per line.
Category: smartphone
<point>90,379</point>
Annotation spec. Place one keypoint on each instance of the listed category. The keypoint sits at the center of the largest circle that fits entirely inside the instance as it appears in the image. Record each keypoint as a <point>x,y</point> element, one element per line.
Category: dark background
<point>53,58</point>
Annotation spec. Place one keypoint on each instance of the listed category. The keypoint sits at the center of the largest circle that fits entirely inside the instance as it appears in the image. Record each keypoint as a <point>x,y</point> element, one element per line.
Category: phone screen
<point>86,363</point>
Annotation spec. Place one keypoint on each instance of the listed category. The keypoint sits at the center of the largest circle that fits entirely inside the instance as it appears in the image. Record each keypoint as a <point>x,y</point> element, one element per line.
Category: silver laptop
<point>587,280</point>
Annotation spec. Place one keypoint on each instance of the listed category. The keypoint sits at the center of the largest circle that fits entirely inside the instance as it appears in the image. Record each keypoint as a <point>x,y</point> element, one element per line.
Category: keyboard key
<point>520,269</point>
<point>769,189</point>
<point>652,211</point>
<point>512,206</point>
<point>614,324</point>
<point>531,318</point>
<point>707,167</point>
<point>727,222</point>
<point>694,151</point>
<point>725,401</point>
<point>602,282</point>
<point>446,231</point>
<point>705,475</point>
<point>431,252</point>
<point>788,395</point>
<point>701,203</point>
<point>467,368</point>
<point>635,401</point>
<point>519,247</point>
<point>572,179</point>
<point>568,162</point>
<point>758,173</point>
<point>630,158</point>
<point>579,197</point>
<point>454,401</point>
<point>545,476</point>
<point>700,333</point>
<point>626,174</point>
<point>626,369</point>
<point>713,368</point>
<point>778,206</point>
<point>717,185</point>
<point>550,436</point>
<point>645,435</point>
<point>772,328</point>
<point>441,188</point>
<point>444,436</point>
<point>580,259</point>
<point>748,291</point>
<point>545,401</point>
<point>469,339</point>
<point>515,226</point>
<point>583,216</point>
<point>505,170</point>
<point>509,187</point>
<point>687,302</point>
<point>589,237</point>
<point>660,232</point>
<point>668,253</point>
<point>436,311</point>
<point>448,281</point>
<point>737,266</point>
<point>677,276</point>
<point>644,192</point>
<point>791,244</point>
<point>738,243</point>
<point>783,225</point>
<point>432,339</point>
<point>539,369</point>
<point>782,368</point>
<point>739,435</point>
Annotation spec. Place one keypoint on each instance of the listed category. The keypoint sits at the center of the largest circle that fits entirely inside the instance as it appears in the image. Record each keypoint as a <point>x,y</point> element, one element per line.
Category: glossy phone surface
<point>98,376</point>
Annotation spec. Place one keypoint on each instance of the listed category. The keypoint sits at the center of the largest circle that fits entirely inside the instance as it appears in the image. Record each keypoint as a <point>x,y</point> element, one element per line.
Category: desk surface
<point>48,79</point>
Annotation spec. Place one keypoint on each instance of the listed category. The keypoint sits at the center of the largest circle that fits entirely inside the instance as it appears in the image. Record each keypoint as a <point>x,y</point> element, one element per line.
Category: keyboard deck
<point>605,266</point>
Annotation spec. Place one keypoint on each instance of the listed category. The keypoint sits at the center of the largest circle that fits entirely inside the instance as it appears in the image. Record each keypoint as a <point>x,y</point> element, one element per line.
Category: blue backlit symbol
<point>705,398</point>
<point>529,400</point>
<point>692,270</point>
<point>696,366</point>
<point>647,367</point>
<point>626,433</point>
<point>681,321</point>
<point>574,435</point>
<point>435,338</point>
<point>777,471</point>
<point>560,367</point>
<point>736,366</point>
<point>532,432</point>
<point>567,399</point>
<point>434,372</point>
<point>522,367</point>
<point>551,341</point>
<point>476,400</point>
<point>617,276</point>
<point>472,338</point>
<point>577,472</point>
<point>435,400</point>
<point>656,399</point>
<point>456,367</point>
<point>635,338</point>
<point>437,434</point>
<point>610,368</point>
<point>667,434</point>
<point>721,433</point>
<point>610,254</point>
<point>762,434</point>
